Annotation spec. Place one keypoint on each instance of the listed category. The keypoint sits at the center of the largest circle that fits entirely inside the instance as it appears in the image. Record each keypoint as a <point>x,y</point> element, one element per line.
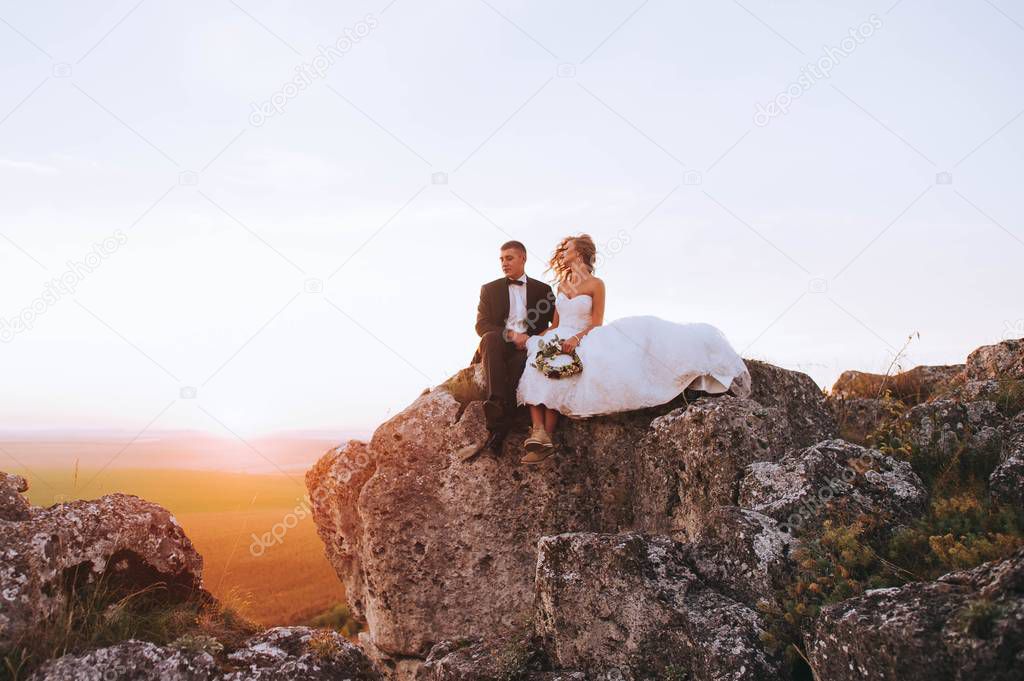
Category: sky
<point>247,217</point>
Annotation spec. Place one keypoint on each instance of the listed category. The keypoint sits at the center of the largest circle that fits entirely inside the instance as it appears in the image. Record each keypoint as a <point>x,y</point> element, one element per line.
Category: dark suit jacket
<point>492,311</point>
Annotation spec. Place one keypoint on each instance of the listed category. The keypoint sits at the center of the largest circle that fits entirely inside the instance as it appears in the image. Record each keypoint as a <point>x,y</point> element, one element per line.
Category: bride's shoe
<point>538,446</point>
<point>538,440</point>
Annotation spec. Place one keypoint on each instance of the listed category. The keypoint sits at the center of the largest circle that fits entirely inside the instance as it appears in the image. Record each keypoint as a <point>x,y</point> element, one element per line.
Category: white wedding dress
<point>631,363</point>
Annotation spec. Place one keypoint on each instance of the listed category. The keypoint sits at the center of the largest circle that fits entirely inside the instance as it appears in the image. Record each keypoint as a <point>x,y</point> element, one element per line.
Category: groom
<point>511,309</point>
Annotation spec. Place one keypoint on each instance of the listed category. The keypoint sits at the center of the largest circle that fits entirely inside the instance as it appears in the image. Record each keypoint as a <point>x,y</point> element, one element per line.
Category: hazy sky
<point>190,222</point>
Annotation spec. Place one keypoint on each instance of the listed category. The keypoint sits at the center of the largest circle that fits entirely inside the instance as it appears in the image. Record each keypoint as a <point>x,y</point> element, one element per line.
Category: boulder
<point>432,548</point>
<point>967,625</point>
<point>910,387</point>
<point>1006,484</point>
<point>996,362</point>
<point>837,480</point>
<point>13,504</point>
<point>126,541</point>
<point>946,427</point>
<point>511,657</point>
<point>629,606</point>
<point>438,549</point>
<point>745,555</point>
<point>341,474</point>
<point>302,654</point>
<point>797,396</point>
<point>859,417</point>
<point>135,660</point>
<point>295,653</point>
<point>692,460</point>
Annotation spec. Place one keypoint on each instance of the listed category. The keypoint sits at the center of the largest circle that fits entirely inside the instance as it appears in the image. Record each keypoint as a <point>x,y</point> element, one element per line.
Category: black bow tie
<point>515,282</point>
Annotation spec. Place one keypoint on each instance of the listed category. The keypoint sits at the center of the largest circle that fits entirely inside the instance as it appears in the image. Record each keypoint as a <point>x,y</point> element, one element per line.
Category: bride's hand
<point>570,345</point>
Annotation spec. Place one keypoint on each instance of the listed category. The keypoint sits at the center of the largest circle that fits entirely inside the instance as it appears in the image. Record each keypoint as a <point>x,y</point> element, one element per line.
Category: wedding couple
<point>630,363</point>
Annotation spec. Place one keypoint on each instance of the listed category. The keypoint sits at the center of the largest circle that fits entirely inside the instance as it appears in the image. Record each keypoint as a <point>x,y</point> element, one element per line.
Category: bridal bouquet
<point>553,363</point>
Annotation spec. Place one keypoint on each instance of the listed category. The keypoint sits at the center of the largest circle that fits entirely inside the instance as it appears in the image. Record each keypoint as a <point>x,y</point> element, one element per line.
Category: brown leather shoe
<point>491,445</point>
<point>537,456</point>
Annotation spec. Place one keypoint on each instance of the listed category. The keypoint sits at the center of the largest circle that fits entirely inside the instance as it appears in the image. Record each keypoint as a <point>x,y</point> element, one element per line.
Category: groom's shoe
<point>491,445</point>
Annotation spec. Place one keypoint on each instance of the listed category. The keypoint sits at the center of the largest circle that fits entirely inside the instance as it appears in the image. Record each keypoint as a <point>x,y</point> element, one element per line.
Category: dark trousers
<point>503,366</point>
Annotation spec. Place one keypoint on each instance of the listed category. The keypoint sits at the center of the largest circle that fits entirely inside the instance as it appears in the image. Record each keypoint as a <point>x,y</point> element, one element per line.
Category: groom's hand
<point>519,340</point>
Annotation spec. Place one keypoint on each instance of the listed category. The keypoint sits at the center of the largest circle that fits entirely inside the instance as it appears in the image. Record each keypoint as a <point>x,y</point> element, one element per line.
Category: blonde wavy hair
<point>586,249</point>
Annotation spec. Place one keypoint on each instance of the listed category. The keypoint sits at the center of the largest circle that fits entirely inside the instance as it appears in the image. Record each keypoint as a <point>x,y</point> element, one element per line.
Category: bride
<point>630,363</point>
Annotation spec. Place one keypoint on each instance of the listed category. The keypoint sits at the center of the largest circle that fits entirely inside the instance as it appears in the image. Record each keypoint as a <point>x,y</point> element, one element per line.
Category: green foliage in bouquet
<point>547,351</point>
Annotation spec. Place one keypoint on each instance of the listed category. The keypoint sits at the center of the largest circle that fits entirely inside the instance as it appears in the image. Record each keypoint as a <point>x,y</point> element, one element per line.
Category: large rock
<point>13,504</point>
<point>910,387</point>
<point>630,606</point>
<point>294,653</point>
<point>135,660</point>
<point>341,474</point>
<point>127,541</point>
<point>1002,361</point>
<point>501,659</point>
<point>965,626</point>
<point>835,480</point>
<point>692,460</point>
<point>947,428</point>
<point>1006,484</point>
<point>797,396</point>
<point>302,654</point>
<point>432,548</point>
<point>858,418</point>
<point>744,554</point>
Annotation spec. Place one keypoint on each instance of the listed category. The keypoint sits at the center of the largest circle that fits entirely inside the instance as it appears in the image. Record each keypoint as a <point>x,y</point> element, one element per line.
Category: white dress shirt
<point>516,320</point>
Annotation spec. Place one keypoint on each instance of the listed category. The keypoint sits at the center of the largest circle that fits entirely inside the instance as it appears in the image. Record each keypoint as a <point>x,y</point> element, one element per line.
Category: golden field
<point>285,582</point>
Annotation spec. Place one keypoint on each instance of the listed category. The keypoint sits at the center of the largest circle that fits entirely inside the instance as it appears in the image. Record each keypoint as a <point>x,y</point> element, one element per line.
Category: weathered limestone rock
<point>341,473</point>
<point>123,539</point>
<point>300,653</point>
<point>1006,483</point>
<point>798,397</point>
<point>432,549</point>
<point>13,505</point>
<point>295,653</point>
<point>512,657</point>
<point>910,387</point>
<point>949,427</point>
<point>859,417</point>
<point>833,479</point>
<point>965,626</point>
<point>994,362</point>
<point>630,605</point>
<point>135,660</point>
<point>692,460</point>
<point>743,554</point>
